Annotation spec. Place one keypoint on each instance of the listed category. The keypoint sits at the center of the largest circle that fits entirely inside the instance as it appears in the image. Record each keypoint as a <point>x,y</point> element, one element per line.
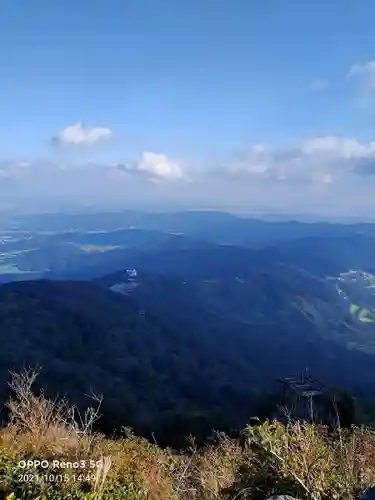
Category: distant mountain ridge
<point>86,246</point>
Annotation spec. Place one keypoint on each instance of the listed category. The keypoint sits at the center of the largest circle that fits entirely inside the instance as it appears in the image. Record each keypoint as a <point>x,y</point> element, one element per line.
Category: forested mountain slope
<point>173,357</point>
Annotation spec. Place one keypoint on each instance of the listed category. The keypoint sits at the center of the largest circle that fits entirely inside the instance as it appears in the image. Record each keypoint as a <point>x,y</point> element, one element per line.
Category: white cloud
<point>327,174</point>
<point>13,170</point>
<point>154,166</point>
<point>340,147</point>
<point>160,166</point>
<point>80,135</point>
<point>364,74</point>
<point>316,160</point>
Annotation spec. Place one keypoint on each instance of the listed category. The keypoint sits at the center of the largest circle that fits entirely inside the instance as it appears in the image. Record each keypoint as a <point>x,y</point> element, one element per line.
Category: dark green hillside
<point>287,310</point>
<point>152,376</point>
<point>175,356</point>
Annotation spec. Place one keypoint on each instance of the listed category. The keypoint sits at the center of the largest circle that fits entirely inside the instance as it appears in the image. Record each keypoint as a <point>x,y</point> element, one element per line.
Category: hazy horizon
<point>237,107</point>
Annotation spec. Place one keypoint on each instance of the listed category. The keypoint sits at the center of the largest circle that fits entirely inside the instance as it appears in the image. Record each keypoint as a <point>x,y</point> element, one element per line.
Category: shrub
<point>303,460</point>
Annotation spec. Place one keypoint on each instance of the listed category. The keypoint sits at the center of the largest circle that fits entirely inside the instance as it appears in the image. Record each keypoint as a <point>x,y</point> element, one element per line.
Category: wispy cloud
<point>319,173</point>
<point>80,135</point>
<point>363,74</point>
<point>316,160</point>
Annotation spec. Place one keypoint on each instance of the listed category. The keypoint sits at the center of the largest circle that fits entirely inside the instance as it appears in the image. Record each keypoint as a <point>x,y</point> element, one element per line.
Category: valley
<point>188,334</point>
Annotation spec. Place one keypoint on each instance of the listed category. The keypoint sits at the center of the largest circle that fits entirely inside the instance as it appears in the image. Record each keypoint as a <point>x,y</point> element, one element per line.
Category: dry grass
<point>318,464</point>
<point>205,473</point>
<point>40,426</point>
<point>303,460</point>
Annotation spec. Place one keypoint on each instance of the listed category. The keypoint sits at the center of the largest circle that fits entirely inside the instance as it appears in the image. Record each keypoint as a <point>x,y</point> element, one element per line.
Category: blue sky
<point>228,103</point>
